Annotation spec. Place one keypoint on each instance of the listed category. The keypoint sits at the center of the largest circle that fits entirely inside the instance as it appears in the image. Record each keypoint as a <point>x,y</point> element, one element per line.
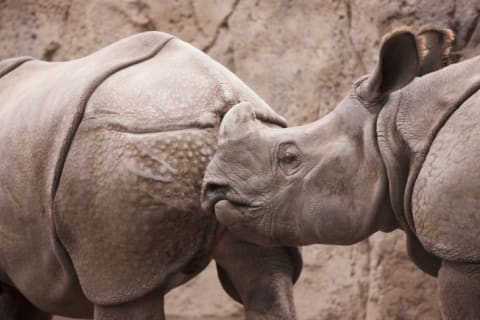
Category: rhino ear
<point>438,43</point>
<point>398,63</point>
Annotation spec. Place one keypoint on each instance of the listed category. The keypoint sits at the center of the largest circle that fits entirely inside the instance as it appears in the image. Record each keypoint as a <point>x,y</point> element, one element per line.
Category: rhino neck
<point>359,122</point>
<point>395,157</point>
<point>381,206</point>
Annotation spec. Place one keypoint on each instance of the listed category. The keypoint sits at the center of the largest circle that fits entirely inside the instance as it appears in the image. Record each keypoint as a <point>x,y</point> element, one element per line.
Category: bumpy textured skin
<point>446,195</point>
<point>102,161</point>
<point>453,232</point>
<point>430,128</point>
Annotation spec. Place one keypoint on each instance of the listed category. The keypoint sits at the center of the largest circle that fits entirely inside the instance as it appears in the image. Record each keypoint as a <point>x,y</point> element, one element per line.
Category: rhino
<point>400,151</point>
<point>101,165</point>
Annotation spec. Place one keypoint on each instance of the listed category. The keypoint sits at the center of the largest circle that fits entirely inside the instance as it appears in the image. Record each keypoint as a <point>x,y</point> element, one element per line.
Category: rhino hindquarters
<point>128,211</point>
<point>446,195</point>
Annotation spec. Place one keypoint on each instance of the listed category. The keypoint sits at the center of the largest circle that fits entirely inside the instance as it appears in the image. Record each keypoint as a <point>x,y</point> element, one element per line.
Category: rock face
<point>301,57</point>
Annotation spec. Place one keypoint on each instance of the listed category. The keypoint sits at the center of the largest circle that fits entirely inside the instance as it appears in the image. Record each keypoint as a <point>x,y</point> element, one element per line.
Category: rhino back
<point>446,197</point>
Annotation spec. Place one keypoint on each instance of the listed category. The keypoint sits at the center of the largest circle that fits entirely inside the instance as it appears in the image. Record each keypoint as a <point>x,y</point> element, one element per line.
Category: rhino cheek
<point>248,226</point>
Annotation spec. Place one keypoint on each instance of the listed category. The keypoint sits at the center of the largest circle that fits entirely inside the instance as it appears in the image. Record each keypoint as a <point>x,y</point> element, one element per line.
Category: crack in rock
<point>223,24</point>
<point>358,56</point>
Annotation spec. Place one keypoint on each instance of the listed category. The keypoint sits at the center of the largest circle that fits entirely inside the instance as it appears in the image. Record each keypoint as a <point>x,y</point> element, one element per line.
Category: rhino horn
<point>237,122</point>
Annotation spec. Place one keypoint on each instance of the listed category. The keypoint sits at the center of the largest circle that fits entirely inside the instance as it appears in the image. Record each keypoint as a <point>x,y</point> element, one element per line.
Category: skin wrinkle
<point>379,162</point>
<point>397,210</point>
<point>271,239</point>
<point>145,126</point>
<point>274,171</point>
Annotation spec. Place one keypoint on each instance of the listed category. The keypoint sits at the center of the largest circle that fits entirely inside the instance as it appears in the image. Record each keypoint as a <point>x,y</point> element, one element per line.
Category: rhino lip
<point>215,195</point>
<point>235,201</point>
<point>242,203</point>
<point>231,211</point>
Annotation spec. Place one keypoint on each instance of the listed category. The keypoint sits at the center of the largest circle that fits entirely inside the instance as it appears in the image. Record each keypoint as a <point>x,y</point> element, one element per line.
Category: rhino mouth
<point>230,212</point>
<point>222,196</point>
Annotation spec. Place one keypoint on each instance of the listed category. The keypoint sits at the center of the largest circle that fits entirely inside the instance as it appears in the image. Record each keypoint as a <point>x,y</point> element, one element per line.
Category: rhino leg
<point>149,307</point>
<point>459,290</point>
<point>13,306</point>
<point>258,277</point>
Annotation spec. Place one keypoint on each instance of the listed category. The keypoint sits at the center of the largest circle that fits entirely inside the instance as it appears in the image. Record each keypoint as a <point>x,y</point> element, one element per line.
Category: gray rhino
<point>101,164</point>
<point>399,151</point>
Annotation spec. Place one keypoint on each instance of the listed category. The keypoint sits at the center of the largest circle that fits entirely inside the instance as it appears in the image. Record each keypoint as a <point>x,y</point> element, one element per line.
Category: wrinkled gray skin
<point>101,166</point>
<point>399,151</point>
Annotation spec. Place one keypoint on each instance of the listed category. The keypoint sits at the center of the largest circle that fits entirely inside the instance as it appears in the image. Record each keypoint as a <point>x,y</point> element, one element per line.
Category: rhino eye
<point>289,158</point>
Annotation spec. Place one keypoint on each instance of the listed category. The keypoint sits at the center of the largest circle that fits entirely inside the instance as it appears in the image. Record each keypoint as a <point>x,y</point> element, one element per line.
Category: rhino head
<point>323,182</point>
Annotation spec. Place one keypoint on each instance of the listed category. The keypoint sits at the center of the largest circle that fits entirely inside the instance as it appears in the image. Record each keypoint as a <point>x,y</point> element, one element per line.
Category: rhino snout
<point>213,192</point>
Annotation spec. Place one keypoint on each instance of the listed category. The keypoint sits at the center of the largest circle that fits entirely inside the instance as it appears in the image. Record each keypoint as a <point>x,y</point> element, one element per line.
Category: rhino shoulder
<point>446,196</point>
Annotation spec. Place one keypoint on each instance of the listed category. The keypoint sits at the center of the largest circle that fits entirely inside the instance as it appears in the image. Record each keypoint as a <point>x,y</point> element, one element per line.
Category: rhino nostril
<point>213,193</point>
<point>216,192</point>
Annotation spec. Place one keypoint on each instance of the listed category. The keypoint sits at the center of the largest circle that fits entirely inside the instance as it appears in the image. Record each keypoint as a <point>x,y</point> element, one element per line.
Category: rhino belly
<point>446,196</point>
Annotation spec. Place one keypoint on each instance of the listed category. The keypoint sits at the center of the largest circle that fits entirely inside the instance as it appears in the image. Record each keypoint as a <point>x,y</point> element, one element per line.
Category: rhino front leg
<point>149,307</point>
<point>258,277</point>
<point>459,291</point>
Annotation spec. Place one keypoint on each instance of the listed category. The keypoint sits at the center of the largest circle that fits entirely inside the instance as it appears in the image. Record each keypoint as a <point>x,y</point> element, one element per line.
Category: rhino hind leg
<point>13,306</point>
<point>459,286</point>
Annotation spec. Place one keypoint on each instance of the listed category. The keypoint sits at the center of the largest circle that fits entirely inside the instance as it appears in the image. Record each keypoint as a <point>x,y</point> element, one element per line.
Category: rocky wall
<point>301,56</point>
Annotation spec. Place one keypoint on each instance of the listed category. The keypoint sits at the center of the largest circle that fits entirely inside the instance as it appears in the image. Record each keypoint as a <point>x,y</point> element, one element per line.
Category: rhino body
<point>400,151</point>
<point>102,160</point>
